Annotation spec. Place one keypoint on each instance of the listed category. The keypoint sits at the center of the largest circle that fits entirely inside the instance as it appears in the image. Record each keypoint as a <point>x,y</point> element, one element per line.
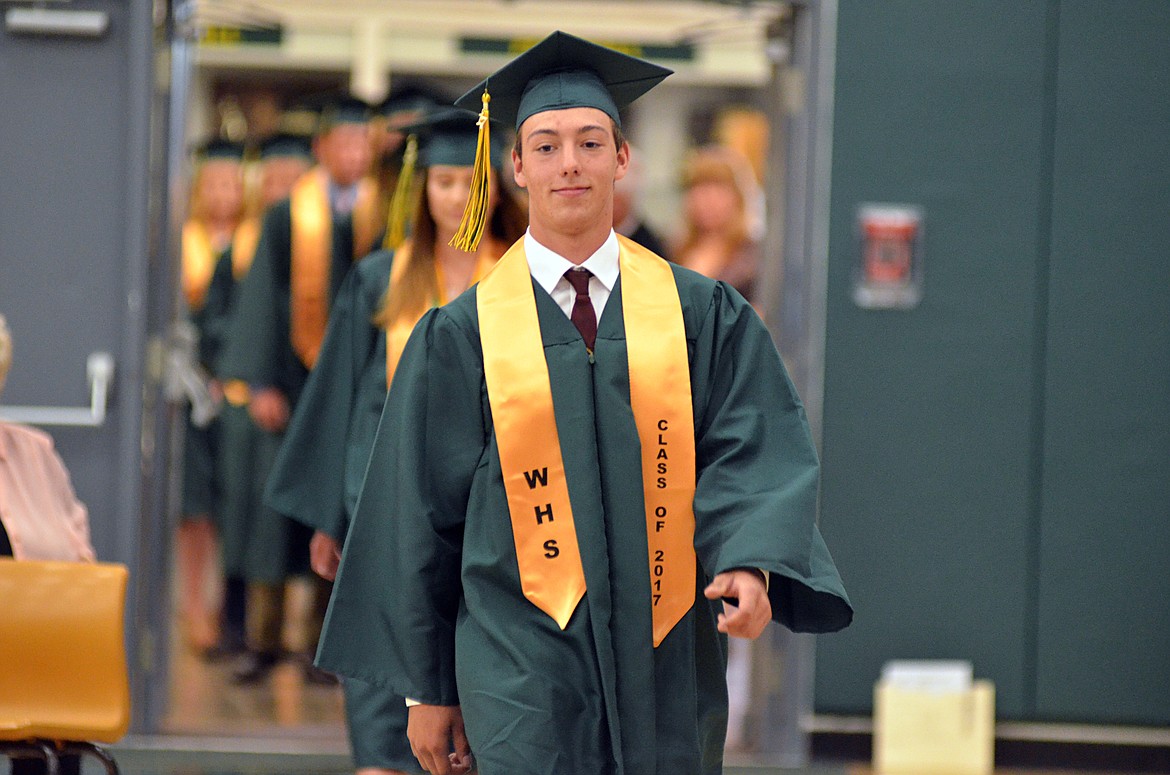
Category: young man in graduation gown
<point>307,244</point>
<point>579,460</point>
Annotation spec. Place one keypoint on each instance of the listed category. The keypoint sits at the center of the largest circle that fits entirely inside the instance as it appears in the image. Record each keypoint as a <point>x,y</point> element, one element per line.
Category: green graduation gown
<point>243,448</point>
<point>258,351</point>
<point>319,470</point>
<point>201,486</point>
<point>428,600</point>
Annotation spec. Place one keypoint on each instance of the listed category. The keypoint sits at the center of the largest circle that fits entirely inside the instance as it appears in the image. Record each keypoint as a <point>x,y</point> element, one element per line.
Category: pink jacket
<point>38,507</point>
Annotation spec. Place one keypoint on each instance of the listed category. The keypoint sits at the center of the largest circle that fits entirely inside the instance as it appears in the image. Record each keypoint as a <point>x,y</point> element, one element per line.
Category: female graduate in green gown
<point>217,208</point>
<point>322,462</point>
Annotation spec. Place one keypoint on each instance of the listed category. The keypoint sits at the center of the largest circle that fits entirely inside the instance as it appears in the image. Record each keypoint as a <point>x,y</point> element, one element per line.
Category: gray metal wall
<point>77,274</point>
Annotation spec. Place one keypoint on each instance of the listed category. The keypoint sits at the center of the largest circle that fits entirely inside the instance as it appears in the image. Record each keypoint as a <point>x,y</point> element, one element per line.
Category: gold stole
<point>519,390</point>
<point>197,264</point>
<point>312,256</point>
<point>399,332</point>
<point>244,242</point>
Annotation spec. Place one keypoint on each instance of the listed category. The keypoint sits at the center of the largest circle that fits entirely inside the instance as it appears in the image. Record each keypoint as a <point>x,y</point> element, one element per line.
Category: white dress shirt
<point>548,269</point>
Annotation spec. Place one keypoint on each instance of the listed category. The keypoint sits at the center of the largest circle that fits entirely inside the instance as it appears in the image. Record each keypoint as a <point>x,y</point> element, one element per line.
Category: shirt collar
<point>548,267</point>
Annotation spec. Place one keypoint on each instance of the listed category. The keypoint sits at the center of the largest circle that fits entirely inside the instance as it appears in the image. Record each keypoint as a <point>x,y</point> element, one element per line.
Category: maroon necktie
<point>583,317</point>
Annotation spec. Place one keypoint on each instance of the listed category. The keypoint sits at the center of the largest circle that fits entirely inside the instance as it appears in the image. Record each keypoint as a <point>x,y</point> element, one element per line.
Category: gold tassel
<point>470,229</point>
<point>400,204</point>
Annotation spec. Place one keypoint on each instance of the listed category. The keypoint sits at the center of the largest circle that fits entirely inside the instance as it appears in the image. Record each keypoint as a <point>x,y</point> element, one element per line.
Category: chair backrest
<point>62,651</point>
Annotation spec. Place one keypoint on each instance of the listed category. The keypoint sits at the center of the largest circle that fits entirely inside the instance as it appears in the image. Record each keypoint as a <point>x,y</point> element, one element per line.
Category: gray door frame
<point>794,294</point>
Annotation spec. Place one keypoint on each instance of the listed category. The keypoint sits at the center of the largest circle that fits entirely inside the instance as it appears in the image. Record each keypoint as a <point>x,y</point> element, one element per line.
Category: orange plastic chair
<point>63,679</point>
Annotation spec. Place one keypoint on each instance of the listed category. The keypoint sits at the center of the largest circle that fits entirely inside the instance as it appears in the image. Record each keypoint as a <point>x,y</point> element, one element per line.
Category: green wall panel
<point>997,460</point>
<point>930,415</point>
<point>1104,615</point>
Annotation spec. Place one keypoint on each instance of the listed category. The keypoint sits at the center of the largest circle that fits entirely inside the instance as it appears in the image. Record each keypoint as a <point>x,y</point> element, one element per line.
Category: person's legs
<point>196,550</point>
<point>236,476</point>
<point>266,567</point>
<point>196,540</point>
<point>376,721</point>
<point>739,655</point>
<point>265,624</point>
<point>233,616</point>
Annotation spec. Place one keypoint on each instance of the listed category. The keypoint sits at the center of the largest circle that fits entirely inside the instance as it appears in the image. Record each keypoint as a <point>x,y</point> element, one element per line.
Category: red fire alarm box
<point>889,270</point>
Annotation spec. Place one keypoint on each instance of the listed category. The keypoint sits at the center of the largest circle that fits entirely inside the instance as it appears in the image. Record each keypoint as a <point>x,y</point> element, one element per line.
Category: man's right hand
<point>433,730</point>
<point>269,409</point>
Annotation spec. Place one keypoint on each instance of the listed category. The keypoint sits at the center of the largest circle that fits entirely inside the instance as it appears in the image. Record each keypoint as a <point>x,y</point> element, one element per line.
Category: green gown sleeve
<point>258,334</point>
<point>400,632</point>
<point>216,312</point>
<point>308,477</point>
<point>757,469</point>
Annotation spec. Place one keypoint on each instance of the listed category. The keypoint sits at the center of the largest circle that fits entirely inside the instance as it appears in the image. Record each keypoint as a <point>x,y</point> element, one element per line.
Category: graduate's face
<point>713,206</point>
<point>221,189</point>
<point>345,153</point>
<point>277,176</point>
<point>448,189</point>
<point>569,164</point>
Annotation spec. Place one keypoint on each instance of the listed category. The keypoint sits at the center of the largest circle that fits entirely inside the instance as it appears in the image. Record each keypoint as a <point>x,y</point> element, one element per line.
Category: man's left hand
<point>324,555</point>
<point>754,610</point>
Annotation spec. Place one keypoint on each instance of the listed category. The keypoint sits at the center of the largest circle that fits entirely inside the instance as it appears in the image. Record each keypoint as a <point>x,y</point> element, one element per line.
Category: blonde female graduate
<point>320,468</point>
<point>217,208</point>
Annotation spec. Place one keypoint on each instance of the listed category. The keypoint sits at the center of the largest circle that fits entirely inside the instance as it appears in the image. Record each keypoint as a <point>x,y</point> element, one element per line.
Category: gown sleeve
<point>258,331</point>
<point>307,482</point>
<point>217,312</point>
<point>757,470</point>
<point>391,619</point>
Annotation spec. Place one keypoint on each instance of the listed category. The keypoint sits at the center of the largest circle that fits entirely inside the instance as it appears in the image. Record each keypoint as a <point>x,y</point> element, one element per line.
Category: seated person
<point>40,516</point>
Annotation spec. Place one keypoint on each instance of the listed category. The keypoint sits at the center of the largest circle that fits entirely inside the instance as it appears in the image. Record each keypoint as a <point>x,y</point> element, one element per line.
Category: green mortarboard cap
<point>411,100</point>
<point>564,71</point>
<point>343,110</point>
<point>219,149</point>
<point>286,145</point>
<point>449,136</point>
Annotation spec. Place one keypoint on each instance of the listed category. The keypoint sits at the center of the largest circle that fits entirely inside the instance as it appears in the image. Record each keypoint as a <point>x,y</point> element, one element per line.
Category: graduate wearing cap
<point>574,456</point>
<point>318,473</point>
<point>283,159</point>
<point>307,244</point>
<point>216,209</point>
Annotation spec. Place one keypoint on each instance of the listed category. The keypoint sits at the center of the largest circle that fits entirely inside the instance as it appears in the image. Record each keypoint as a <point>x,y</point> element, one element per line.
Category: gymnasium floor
<point>288,726</point>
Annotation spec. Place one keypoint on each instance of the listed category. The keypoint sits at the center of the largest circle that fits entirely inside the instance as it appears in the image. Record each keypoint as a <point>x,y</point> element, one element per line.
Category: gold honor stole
<point>244,242</point>
<point>399,332</point>
<point>516,372</point>
<point>311,261</point>
<point>197,264</point>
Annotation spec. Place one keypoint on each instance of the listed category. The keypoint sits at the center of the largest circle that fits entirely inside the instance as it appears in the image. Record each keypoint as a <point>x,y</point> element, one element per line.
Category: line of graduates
<point>258,276</point>
<point>302,325</point>
<point>409,407</point>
